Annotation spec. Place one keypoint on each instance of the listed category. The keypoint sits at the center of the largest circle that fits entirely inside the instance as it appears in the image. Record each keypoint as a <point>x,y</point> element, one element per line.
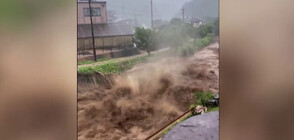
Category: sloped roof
<point>194,19</point>
<point>93,1</point>
<point>105,30</point>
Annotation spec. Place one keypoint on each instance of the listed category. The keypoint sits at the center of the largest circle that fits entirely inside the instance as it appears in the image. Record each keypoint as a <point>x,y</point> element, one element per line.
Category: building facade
<point>99,12</point>
<point>107,35</point>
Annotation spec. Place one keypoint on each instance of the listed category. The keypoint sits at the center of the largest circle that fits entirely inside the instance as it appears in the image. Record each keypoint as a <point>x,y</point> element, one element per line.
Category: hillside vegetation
<point>205,9</point>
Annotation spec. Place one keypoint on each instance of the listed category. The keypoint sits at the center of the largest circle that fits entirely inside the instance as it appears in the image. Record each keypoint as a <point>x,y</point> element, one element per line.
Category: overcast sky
<point>163,9</point>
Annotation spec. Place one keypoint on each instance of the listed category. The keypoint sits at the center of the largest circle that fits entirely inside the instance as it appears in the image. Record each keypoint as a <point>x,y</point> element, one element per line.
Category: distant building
<point>107,35</point>
<point>195,21</point>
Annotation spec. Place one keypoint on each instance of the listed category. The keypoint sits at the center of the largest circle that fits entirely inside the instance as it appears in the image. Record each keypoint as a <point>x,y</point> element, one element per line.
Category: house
<point>98,11</point>
<point>107,36</point>
<point>195,21</point>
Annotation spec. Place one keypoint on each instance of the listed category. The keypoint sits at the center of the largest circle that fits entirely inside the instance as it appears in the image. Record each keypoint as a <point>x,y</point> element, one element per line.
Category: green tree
<point>176,21</point>
<point>176,33</point>
<point>205,30</point>
<point>145,39</point>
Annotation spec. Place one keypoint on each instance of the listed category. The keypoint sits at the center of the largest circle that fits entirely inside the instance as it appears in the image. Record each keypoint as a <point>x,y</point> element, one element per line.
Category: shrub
<point>103,68</point>
<point>108,68</point>
<point>202,97</point>
<point>176,21</point>
<point>200,43</point>
<point>205,30</point>
<point>187,49</point>
<point>86,70</point>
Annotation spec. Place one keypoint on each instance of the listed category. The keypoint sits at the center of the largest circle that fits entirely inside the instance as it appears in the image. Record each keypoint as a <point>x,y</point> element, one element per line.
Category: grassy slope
<point>91,62</point>
<point>113,67</point>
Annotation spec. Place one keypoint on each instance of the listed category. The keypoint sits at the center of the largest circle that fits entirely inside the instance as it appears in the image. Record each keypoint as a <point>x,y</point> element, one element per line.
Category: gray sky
<point>163,9</point>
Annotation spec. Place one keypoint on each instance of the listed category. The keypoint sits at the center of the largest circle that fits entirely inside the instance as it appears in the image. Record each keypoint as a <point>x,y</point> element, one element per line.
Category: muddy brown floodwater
<point>147,97</point>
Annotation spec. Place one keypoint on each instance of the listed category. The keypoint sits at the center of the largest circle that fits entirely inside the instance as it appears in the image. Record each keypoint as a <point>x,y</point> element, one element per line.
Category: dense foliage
<point>202,42</point>
<point>201,98</point>
<point>145,39</point>
<point>205,30</point>
<point>182,37</point>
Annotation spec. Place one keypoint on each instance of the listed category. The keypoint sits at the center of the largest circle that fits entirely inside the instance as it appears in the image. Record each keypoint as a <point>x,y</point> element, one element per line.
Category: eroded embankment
<point>144,99</point>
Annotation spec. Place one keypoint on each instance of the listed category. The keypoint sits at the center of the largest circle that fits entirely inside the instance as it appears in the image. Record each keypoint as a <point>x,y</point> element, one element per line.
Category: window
<point>95,12</point>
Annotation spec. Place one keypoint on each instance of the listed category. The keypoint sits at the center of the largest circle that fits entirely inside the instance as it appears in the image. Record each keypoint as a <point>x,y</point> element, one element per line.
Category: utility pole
<point>151,14</point>
<point>183,13</point>
<point>93,39</point>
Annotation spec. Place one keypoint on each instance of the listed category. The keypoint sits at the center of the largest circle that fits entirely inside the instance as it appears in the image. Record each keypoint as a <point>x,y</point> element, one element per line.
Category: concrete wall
<point>96,19</point>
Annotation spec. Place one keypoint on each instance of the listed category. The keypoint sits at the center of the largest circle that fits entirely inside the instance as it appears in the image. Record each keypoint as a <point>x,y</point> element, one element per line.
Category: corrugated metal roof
<point>105,30</point>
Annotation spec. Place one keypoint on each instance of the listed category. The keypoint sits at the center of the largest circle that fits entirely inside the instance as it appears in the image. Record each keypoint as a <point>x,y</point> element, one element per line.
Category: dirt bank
<point>146,98</point>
